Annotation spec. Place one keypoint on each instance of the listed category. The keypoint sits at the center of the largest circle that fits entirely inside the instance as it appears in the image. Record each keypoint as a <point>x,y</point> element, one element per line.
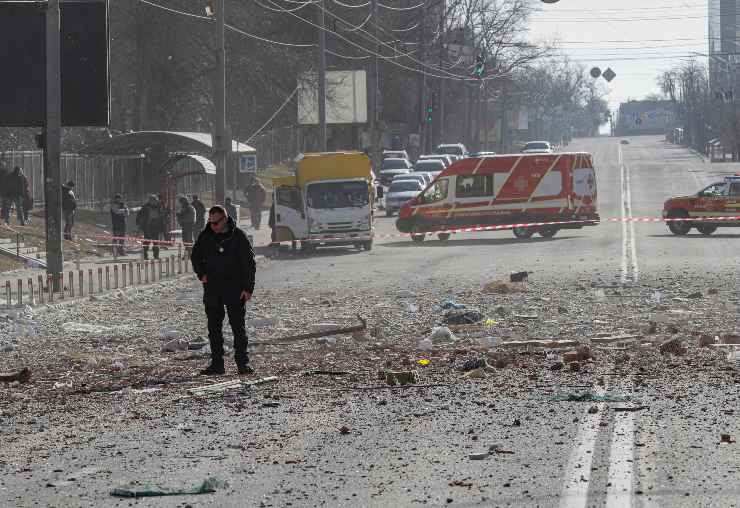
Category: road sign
<point>248,163</point>
<point>609,74</point>
<point>595,72</point>
<point>84,63</point>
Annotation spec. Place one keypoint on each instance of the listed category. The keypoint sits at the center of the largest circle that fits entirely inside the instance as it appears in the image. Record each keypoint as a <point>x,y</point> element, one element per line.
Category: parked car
<point>395,154</point>
<point>399,193</point>
<point>538,147</point>
<point>429,165</point>
<point>457,149</point>
<point>419,177</point>
<point>393,167</point>
<point>447,159</point>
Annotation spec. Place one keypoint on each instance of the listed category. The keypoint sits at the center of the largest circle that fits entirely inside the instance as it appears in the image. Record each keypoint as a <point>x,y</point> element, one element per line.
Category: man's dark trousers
<point>216,314</point>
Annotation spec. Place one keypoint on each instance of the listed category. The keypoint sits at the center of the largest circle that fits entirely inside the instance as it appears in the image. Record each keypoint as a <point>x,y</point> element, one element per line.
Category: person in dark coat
<point>231,210</point>
<point>255,193</point>
<point>6,195</point>
<point>16,193</point>
<point>186,218</point>
<point>223,260</point>
<point>200,214</point>
<point>118,213</point>
<point>69,205</point>
<point>151,220</point>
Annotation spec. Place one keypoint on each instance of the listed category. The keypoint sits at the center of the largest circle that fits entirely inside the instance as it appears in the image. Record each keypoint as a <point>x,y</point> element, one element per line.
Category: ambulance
<point>506,190</point>
<point>721,199</point>
<point>327,201</point>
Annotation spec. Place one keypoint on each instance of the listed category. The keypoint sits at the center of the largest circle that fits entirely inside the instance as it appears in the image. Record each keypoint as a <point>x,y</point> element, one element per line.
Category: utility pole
<point>373,95</point>
<point>52,145</point>
<point>322,78</point>
<point>442,81</point>
<point>221,145</point>
<point>422,82</point>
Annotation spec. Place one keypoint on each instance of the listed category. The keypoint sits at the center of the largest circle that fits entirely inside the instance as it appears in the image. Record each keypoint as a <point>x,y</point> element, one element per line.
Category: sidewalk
<point>105,273</point>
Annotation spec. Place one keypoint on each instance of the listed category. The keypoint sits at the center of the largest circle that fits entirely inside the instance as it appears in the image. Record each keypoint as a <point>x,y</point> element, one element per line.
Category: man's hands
<point>245,296</point>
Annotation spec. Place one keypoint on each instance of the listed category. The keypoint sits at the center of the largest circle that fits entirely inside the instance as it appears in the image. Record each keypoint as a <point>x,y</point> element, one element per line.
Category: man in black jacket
<point>223,260</point>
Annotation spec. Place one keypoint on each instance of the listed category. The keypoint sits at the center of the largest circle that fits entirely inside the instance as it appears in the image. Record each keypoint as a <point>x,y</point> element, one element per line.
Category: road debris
<point>589,397</point>
<point>400,378</point>
<point>314,335</point>
<point>209,486</point>
<point>726,438</point>
<point>463,317</point>
<point>230,385</point>
<point>498,287</point>
<point>21,376</point>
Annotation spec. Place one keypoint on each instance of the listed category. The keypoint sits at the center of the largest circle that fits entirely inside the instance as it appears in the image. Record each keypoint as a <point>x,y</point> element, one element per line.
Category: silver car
<point>399,192</point>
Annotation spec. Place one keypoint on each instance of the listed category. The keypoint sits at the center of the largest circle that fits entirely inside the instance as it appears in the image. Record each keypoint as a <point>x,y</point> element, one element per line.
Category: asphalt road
<point>412,447</point>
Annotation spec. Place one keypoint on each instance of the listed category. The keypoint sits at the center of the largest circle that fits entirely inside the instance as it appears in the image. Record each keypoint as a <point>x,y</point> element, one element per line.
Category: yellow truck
<point>327,201</point>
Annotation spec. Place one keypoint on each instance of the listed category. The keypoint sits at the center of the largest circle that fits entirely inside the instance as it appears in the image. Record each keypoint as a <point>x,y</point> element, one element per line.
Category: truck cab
<point>327,201</point>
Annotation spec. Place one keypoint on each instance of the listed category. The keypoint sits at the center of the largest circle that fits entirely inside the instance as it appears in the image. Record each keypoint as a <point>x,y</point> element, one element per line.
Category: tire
<point>679,228</point>
<point>307,247</point>
<point>416,234</point>
<point>443,237</point>
<point>523,232</point>
<point>367,245</point>
<point>706,229</point>
<point>548,231</point>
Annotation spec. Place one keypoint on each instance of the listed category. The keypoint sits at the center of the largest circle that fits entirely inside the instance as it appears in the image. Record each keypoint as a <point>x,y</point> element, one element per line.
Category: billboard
<point>346,97</point>
<point>84,62</point>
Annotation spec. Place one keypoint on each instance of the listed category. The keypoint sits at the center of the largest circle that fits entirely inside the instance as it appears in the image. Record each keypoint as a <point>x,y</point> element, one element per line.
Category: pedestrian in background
<point>223,260</point>
<point>255,193</point>
<point>17,184</point>
<point>200,215</point>
<point>151,221</point>
<point>69,205</point>
<point>231,210</point>
<point>186,218</point>
<point>6,194</point>
<point>118,214</point>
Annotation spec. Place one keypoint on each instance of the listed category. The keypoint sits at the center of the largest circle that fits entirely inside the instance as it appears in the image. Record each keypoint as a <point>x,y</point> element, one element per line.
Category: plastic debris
<point>450,303</point>
<point>207,487</point>
<point>442,334</point>
<point>175,345</point>
<point>400,378</point>
<point>425,344</point>
<point>463,317</point>
<point>503,288</point>
<point>423,362</point>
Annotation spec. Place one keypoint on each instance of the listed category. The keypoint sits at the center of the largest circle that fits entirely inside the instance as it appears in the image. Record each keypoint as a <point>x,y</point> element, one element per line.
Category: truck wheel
<point>706,229</point>
<point>443,237</point>
<point>548,232</point>
<point>678,227</point>
<point>307,247</point>
<point>520,232</point>
<point>367,245</point>
<point>417,235</point>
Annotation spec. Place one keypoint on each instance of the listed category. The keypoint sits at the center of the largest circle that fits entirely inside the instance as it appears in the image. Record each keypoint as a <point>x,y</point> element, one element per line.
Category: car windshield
<point>395,164</point>
<point>429,165</point>
<point>452,149</point>
<point>537,145</point>
<point>337,195</point>
<point>405,186</point>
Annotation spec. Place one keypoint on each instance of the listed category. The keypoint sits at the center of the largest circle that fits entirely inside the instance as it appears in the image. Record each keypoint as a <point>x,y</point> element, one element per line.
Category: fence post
<point>71,284</point>
<point>123,275</point>
<point>41,289</point>
<point>61,286</point>
<point>146,273</point>
<point>32,294</point>
<point>131,273</point>
<point>81,277</point>
<point>160,268</point>
<point>115,276</point>
<point>138,273</point>
<point>8,293</point>
<point>20,292</point>
<point>107,278</point>
<point>90,283</point>
<point>50,287</point>
<point>100,280</point>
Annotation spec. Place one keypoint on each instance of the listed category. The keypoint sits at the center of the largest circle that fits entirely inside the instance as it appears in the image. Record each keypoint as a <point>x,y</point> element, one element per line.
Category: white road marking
<point>630,268</point>
<point>621,462</point>
<point>578,470</point>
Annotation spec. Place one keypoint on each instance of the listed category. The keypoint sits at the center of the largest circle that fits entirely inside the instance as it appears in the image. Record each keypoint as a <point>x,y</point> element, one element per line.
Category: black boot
<point>244,369</point>
<point>216,368</point>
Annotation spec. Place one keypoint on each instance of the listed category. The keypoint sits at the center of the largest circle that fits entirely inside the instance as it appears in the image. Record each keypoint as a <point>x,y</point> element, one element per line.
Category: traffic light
<point>430,111</point>
<point>480,66</point>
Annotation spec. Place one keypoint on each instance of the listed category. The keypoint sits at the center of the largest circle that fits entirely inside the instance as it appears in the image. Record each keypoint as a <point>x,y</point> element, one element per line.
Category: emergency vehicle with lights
<point>705,209</point>
<point>506,190</point>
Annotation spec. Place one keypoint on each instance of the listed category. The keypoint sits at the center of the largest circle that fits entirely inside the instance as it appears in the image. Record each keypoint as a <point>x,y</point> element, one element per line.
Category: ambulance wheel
<point>367,245</point>
<point>706,229</point>
<point>416,234</point>
<point>548,232</point>
<point>520,232</point>
<point>679,227</point>
<point>443,237</point>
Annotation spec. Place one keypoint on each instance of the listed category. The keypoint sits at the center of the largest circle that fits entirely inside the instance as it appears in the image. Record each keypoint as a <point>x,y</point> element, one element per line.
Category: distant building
<point>724,45</point>
<point>644,117</point>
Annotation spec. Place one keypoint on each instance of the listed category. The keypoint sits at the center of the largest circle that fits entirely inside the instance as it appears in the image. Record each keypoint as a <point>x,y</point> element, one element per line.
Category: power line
<point>253,36</point>
<point>273,116</point>
<point>301,6</point>
<point>175,11</point>
<point>391,8</point>
<point>350,6</point>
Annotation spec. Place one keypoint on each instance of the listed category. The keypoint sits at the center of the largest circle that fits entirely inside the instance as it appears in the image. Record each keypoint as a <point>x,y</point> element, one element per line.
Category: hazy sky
<point>638,39</point>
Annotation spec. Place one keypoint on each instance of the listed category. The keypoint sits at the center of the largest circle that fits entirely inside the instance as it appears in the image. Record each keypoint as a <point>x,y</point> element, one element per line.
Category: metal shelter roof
<point>141,142</point>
